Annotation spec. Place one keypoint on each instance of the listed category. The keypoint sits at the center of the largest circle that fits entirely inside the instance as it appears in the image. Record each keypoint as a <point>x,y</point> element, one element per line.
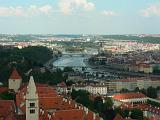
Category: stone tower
<point>32,105</point>
<point>15,81</point>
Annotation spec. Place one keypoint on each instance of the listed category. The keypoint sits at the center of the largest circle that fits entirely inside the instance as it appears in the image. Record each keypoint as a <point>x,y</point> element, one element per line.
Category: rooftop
<point>15,75</point>
<point>122,96</point>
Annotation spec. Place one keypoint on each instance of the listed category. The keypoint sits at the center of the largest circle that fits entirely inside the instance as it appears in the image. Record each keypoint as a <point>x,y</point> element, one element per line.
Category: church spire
<point>32,105</point>
<point>31,89</point>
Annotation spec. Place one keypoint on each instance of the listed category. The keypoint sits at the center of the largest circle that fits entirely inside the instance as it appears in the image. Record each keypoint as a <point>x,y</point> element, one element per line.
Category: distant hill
<point>29,37</point>
<point>143,39</point>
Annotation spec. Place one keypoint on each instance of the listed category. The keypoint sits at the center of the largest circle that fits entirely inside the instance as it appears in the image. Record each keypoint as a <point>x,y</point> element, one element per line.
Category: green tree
<point>7,96</point>
<point>152,92</point>
<point>108,103</point>
<point>68,69</point>
<point>98,104</point>
<point>125,113</point>
<point>137,89</point>
<point>124,90</point>
<point>137,114</point>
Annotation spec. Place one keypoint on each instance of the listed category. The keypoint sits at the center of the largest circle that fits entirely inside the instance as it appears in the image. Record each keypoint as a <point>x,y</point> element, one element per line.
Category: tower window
<point>32,104</point>
<point>32,111</point>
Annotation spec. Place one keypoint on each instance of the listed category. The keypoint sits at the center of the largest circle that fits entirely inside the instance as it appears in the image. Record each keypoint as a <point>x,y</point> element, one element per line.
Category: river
<point>70,61</point>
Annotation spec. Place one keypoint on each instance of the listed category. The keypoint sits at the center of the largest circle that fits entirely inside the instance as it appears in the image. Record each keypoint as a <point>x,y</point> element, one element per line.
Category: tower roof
<point>31,89</point>
<point>15,75</point>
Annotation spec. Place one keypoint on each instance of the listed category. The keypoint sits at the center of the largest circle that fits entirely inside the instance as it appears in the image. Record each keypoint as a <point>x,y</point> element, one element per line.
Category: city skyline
<point>80,17</point>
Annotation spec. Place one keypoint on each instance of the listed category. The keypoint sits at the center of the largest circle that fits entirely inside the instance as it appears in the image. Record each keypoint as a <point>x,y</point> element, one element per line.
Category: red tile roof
<point>3,89</point>
<point>131,79</point>
<point>123,96</point>
<point>118,117</point>
<point>15,75</point>
<point>62,84</point>
<point>7,109</point>
<point>64,108</point>
<point>143,107</point>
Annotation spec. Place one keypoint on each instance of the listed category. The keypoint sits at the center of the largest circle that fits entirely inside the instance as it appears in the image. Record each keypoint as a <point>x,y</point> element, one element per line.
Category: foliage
<point>98,104</point>
<point>48,77</point>
<point>81,96</point>
<point>69,83</point>
<point>68,69</point>
<point>95,105</point>
<point>125,113</point>
<point>23,59</point>
<point>7,96</point>
<point>153,103</point>
<point>108,102</point>
<point>124,90</point>
<point>137,114</point>
<point>152,92</point>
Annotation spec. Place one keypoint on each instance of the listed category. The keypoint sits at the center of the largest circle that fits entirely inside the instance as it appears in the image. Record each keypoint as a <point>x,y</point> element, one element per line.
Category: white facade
<point>14,84</point>
<point>135,100</point>
<point>102,90</point>
<point>32,105</point>
<point>132,84</point>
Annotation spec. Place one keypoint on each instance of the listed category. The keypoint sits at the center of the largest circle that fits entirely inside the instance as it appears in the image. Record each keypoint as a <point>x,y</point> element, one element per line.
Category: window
<point>32,104</point>
<point>32,111</point>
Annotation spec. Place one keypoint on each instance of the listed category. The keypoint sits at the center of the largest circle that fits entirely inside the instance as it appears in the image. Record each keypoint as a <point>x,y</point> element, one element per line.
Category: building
<point>132,83</point>
<point>14,81</point>
<point>7,110</point>
<point>149,111</point>
<point>42,102</point>
<point>118,117</point>
<point>3,89</point>
<point>94,89</point>
<point>130,97</point>
<point>137,101</point>
<point>32,101</point>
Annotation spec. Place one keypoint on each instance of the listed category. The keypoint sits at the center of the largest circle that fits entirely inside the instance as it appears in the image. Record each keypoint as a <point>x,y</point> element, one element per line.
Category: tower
<point>32,105</point>
<point>14,81</point>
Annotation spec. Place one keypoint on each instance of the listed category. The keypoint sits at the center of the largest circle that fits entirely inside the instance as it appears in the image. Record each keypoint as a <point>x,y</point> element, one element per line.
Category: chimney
<point>94,116</point>
<point>75,105</point>
<point>49,116</point>
<point>69,102</point>
<point>86,110</point>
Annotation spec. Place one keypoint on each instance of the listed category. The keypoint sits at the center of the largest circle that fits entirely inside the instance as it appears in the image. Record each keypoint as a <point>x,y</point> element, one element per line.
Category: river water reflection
<point>70,61</point>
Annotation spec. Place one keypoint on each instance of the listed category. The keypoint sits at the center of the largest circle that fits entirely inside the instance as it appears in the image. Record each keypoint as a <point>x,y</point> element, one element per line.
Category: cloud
<point>67,6</point>
<point>25,11</point>
<point>152,10</point>
<point>46,9</point>
<point>109,13</point>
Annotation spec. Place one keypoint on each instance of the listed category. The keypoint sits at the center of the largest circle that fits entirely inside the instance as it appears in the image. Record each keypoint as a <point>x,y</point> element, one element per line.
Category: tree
<point>108,102</point>
<point>7,96</point>
<point>68,69</point>
<point>124,90</point>
<point>158,88</point>
<point>143,91</point>
<point>137,89</point>
<point>98,104</point>
<point>151,92</point>
<point>136,114</point>
<point>69,83</point>
<point>125,113</point>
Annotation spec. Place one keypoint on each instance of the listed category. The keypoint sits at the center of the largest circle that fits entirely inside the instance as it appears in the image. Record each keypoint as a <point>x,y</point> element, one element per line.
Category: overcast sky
<point>80,16</point>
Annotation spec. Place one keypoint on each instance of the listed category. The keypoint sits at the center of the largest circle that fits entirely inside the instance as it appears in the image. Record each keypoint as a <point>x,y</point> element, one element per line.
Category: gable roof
<point>3,89</point>
<point>7,108</point>
<point>15,75</point>
<point>123,96</point>
<point>118,117</point>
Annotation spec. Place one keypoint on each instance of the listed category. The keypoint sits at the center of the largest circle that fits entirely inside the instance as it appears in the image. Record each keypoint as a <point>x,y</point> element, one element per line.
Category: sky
<point>80,16</point>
